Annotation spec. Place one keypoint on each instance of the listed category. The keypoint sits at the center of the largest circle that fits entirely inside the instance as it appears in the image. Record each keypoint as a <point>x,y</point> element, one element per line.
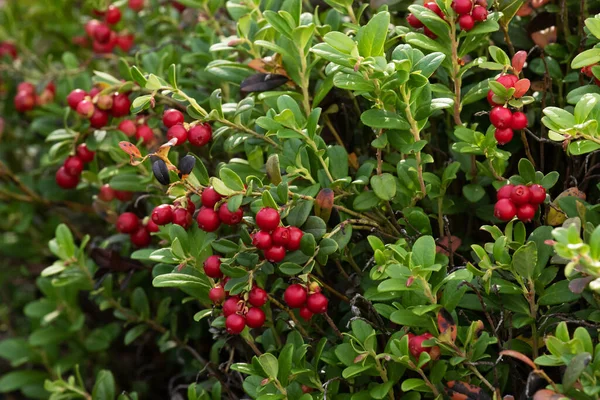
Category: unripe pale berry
<point>85,108</point>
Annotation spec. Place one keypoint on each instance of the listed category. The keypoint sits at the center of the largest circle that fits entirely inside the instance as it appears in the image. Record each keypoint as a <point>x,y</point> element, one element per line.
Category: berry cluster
<point>415,346</point>
<point>468,12</point>
<point>96,106</point>
<point>198,135</point>
<point>504,120</point>
<point>309,301</point>
<point>67,176</point>
<point>177,214</point>
<point>27,98</point>
<point>139,233</point>
<point>104,39</point>
<point>415,23</point>
<point>137,128</point>
<point>272,239</point>
<point>520,200</point>
<point>8,49</point>
<point>208,219</point>
<point>107,194</point>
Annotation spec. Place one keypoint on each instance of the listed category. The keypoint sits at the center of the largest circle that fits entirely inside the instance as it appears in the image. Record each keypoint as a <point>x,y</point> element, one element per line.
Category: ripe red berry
<point>257,297</point>
<point>281,236</point>
<point>141,237</point>
<point>231,306</point>
<point>85,154</point>
<point>526,212</point>
<point>490,99</point>
<point>235,324</point>
<point>466,22</point>
<point>432,5</point>
<point>125,42</point>
<point>504,192</point>
<point>106,193</point>
<point>501,117</point>
<point>538,194</point>
<point>317,303</point>
<point>113,15</point>
<point>182,217</point>
<point>462,7</point>
<point>128,127</point>
<point>91,26</point>
<point>145,133</point>
<point>151,226</point>
<point>212,267</point>
<point>163,214</point>
<point>429,33</point>
<point>200,134</point>
<point>520,194</point>
<point>255,317</point>
<point>73,165</point>
<point>305,313</point>
<point>479,13</point>
<point>26,87</point>
<point>230,218</point>
<point>121,105</point>
<point>587,71</point>
<point>65,180</point>
<point>217,294</point>
<point>75,97</point>
<point>85,108</point>
<point>99,119</point>
<point>24,102</point>
<point>102,33</point>
<point>505,210</point>
<point>415,345</point>
<point>136,5</point>
<point>123,195</point>
<point>172,117</point>
<point>414,21</point>
<point>519,121</point>
<point>267,219</point>
<point>127,222</point>
<point>208,219</point>
<point>295,238</point>
<point>210,197</point>
<point>177,132</point>
<point>262,240</point>
<point>295,295</point>
<point>503,136</point>
<point>507,80</point>
<point>94,91</point>
<point>275,254</point>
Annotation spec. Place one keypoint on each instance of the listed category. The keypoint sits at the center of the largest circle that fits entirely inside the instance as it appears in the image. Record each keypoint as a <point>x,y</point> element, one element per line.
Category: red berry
<point>466,22</point>
<point>538,194</point>
<point>505,210</point>
<point>519,121</point>
<point>305,313</point>
<point>121,105</point>
<point>127,222</point>
<point>503,136</point>
<point>123,195</point>
<point>104,102</point>
<point>212,267</point>
<point>230,218</point>
<point>102,33</point>
<point>429,33</point>
<point>200,134</point>
<point>151,226</point>
<point>262,240</point>
<point>208,219</point>
<point>415,345</point>
<point>162,215</point>
<point>414,21</point>
<point>113,15</point>
<point>99,119</point>
<point>479,13</point>
<point>275,254</point>
<point>75,97</point>
<point>91,26</point>
<point>235,324</point>
<point>231,306</point>
<point>217,294</point>
<point>587,71</point>
<point>178,132</point>
<point>141,237</point>
<point>65,180</point>
<point>255,317</point>
<point>281,236</point>
<point>490,99</point>
<point>94,91</point>
<point>24,102</point>
<point>85,108</point>
<point>432,5</point>
<point>125,42</point>
<point>257,297</point>
<point>26,87</point>
<point>85,154</point>
<point>128,127</point>
<point>182,217</point>
<point>8,49</point>
<point>145,133</point>
<point>73,165</point>
<point>172,117</point>
<point>520,194</point>
<point>526,212</point>
<point>317,303</point>
<point>504,192</point>
<point>106,193</point>
<point>501,117</point>
<point>210,197</point>
<point>136,5</point>
<point>267,219</point>
<point>507,81</point>
<point>462,7</point>
<point>295,295</point>
<point>295,238</point>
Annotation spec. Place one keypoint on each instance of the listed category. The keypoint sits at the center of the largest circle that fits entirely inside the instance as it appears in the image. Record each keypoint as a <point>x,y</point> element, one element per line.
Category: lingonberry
<point>177,132</point>
<point>123,195</point>
<point>295,236</point>
<point>151,226</point>
<point>432,5</point>
<point>172,117</point>
<point>306,389</point>
<point>125,42</point>
<point>257,297</point>
<point>501,117</point>
<point>127,222</point>
<point>317,303</point>
<point>85,154</point>
<point>73,165</point>
<point>305,313</point>
<point>466,22</point>
<point>140,237</point>
<point>145,133</point>
<point>519,121</point>
<point>94,91</point>
<point>217,294</point>
<point>75,97</point>
<point>200,134</point>
<point>46,97</point>
<point>414,21</point>
<point>91,26</point>
<point>505,210</point>
<point>105,48</point>
<point>99,119</point>
<point>230,218</point>
<point>212,267</point>
<point>281,236</point>
<point>128,127</point>
<point>538,194</point>
<point>520,194</point>
<point>104,102</point>
<point>210,197</point>
<point>231,306</point>
<point>235,324</point>
<point>65,180</point>
<point>182,217</point>
<point>121,105</point>
<point>503,136</point>
<point>295,295</point>
<point>504,192</point>
<point>462,7</point>
<point>415,345</point>
<point>267,219</point>
<point>275,253</point>
<point>587,71</point>
<point>102,33</point>
<point>490,99</point>
<point>429,33</point>
<point>8,49</point>
<point>24,102</point>
<point>208,219</point>
<point>113,15</point>
<point>526,212</point>
<point>255,317</point>
<point>262,240</point>
<point>136,5</point>
<point>507,80</point>
<point>106,193</point>
<point>479,13</point>
<point>163,214</point>
<point>85,108</point>
<point>26,87</point>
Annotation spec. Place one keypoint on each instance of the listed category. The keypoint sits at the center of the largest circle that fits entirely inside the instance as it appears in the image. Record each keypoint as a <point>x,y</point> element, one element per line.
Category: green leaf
<point>316,226</point>
<point>473,192</point>
<point>588,57</point>
<point>371,37</point>
<point>525,259</point>
<point>285,363</point>
<point>340,42</point>
<point>180,281</point>
<point>365,201</point>
<point>64,239</point>
<point>269,364</point>
<point>200,315</point>
<point>558,293</point>
<point>139,302</point>
<point>308,244</point>
<point>423,251</point>
<point>289,268</point>
<point>382,119</point>
<point>526,170</point>
<point>574,370</point>
<point>583,147</point>
<point>355,369</point>
<point>499,55</point>
<point>137,76</point>
<point>104,389</point>
<point>408,318</point>
<point>384,186</point>
<point>15,380</point>
<point>231,179</point>
<point>134,333</point>
<point>220,187</point>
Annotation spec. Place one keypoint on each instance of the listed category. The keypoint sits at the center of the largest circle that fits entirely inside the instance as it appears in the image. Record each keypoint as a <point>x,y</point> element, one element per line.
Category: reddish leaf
<point>446,243</point>
<point>521,87</point>
<point>446,326</point>
<point>518,61</point>
<point>324,204</point>
<point>518,356</point>
<point>547,394</point>
<point>130,149</point>
<point>457,390</point>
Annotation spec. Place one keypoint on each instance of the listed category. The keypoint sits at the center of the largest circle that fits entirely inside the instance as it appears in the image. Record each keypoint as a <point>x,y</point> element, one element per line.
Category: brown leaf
<point>446,326</point>
<point>519,356</point>
<point>324,204</point>
<point>458,390</point>
<point>130,149</point>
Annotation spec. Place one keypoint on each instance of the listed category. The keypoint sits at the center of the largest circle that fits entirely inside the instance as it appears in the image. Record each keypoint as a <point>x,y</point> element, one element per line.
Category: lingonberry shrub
<point>254,200</point>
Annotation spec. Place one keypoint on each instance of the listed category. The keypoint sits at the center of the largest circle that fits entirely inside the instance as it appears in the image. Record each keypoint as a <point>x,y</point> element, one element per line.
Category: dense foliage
<point>287,199</point>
